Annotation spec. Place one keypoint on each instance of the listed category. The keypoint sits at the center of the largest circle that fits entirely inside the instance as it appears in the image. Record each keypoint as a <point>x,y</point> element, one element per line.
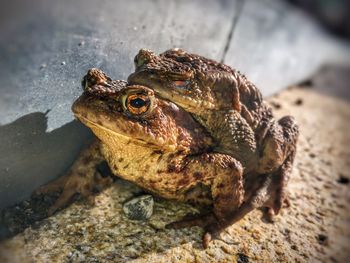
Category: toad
<point>184,128</point>
<point>232,110</point>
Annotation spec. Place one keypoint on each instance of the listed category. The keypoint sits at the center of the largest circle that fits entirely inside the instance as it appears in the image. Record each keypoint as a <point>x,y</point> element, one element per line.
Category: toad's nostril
<point>140,61</point>
<point>143,57</point>
<point>83,83</point>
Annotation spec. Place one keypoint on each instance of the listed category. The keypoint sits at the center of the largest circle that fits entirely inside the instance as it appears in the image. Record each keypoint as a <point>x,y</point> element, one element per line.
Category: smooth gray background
<point>47,46</point>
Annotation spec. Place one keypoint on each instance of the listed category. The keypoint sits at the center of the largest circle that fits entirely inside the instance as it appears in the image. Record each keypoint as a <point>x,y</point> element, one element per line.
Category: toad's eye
<point>137,104</point>
<point>181,84</point>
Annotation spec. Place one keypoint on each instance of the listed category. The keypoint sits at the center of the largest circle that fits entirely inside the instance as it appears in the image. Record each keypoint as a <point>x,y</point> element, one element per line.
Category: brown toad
<point>150,142</point>
<point>232,110</point>
<point>189,129</point>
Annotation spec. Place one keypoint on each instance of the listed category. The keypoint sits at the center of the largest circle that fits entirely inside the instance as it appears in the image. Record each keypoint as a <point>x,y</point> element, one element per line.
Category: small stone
<point>276,105</point>
<point>312,155</point>
<point>299,102</point>
<point>63,63</point>
<point>76,256</point>
<point>343,179</point>
<point>242,258</point>
<point>294,247</point>
<point>322,239</point>
<point>82,248</point>
<point>139,208</point>
<point>81,43</point>
<point>42,66</point>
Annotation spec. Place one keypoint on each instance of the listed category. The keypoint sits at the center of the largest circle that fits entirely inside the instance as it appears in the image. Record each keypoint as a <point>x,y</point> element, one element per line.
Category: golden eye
<point>137,103</point>
<point>181,84</point>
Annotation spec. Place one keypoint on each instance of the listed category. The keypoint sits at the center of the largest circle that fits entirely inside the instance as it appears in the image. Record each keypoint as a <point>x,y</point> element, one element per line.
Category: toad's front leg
<point>83,177</point>
<point>224,175</point>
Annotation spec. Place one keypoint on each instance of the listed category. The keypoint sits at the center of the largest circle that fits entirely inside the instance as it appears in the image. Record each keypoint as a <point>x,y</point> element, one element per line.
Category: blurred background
<point>47,46</point>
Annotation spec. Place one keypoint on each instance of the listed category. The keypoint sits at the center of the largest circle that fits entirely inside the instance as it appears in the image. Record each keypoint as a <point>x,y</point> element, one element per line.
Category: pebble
<point>322,239</point>
<point>276,105</point>
<point>139,208</point>
<point>242,258</point>
<point>298,102</point>
<point>343,179</point>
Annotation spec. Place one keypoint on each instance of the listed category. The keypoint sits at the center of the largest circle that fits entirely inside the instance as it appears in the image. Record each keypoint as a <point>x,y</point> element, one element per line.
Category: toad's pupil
<point>137,103</point>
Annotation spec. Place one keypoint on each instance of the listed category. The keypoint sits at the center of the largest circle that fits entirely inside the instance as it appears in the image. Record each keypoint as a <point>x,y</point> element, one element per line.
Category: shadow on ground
<point>31,156</point>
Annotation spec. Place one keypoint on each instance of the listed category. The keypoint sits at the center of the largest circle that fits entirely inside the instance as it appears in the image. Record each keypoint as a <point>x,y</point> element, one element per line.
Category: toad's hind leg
<point>277,189</point>
<point>270,192</point>
<point>225,175</point>
<point>280,177</point>
<point>270,188</point>
<point>82,178</point>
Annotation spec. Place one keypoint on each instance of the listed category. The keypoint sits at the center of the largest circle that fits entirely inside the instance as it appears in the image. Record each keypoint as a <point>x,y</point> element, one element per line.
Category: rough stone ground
<point>316,228</point>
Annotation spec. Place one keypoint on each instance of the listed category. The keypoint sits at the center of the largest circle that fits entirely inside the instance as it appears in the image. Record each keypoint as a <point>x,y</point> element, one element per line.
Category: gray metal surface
<point>47,46</point>
<point>45,49</point>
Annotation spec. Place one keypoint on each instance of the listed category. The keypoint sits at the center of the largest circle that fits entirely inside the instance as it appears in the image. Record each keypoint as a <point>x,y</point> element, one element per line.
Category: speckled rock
<point>315,228</point>
<point>139,208</point>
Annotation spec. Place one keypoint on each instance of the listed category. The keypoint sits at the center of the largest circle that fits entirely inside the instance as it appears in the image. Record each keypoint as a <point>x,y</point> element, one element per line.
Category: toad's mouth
<point>96,128</point>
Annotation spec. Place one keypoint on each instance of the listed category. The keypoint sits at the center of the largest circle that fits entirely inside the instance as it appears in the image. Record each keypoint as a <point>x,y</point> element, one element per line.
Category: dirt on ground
<point>315,228</point>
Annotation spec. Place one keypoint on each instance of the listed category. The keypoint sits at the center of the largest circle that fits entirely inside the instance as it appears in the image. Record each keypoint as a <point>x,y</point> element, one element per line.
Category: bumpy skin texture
<point>185,128</point>
<point>220,98</point>
<point>232,110</point>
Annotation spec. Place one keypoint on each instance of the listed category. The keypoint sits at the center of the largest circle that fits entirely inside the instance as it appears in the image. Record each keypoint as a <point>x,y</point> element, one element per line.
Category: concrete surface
<point>46,47</point>
<point>314,229</point>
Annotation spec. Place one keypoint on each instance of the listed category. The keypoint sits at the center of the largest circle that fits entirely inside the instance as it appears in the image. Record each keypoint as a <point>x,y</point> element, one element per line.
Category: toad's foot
<point>209,222</point>
<point>83,184</point>
<point>193,220</point>
<point>270,212</point>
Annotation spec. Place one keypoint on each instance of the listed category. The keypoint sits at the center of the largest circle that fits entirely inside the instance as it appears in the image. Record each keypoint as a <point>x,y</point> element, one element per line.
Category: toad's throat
<point>95,126</point>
